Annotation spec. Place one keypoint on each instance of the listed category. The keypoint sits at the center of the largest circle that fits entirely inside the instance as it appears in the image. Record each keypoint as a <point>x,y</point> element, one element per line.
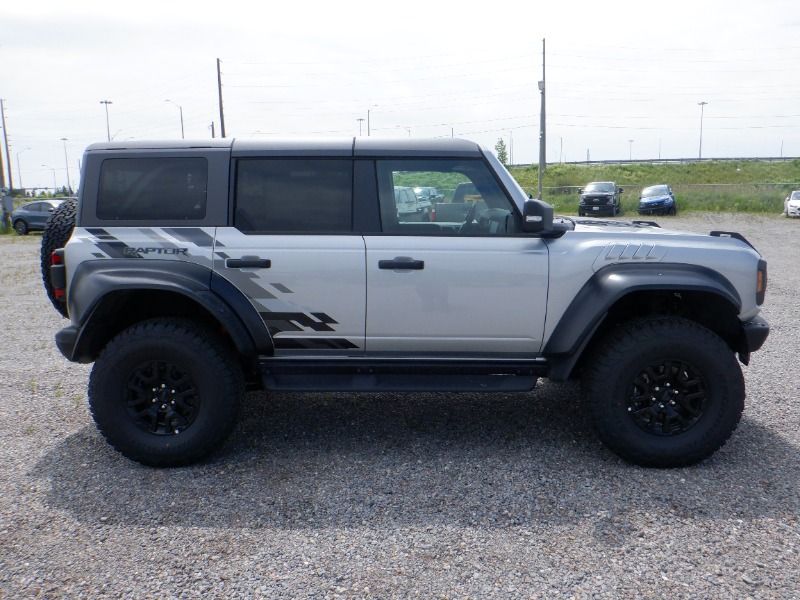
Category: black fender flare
<point>608,285</point>
<point>93,281</point>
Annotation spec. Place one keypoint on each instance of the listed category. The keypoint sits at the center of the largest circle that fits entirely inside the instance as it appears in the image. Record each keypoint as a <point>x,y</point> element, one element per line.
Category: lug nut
<point>163,406</point>
<point>658,389</point>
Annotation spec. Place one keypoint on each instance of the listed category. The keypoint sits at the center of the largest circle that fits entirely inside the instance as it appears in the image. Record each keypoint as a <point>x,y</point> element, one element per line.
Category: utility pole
<point>452,133</point>
<point>630,149</point>
<point>211,127</point>
<point>511,146</point>
<point>360,123</point>
<point>55,185</point>
<point>368,128</point>
<point>659,148</point>
<point>781,152</point>
<point>19,167</point>
<point>561,150</point>
<point>5,140</point>
<point>587,155</point>
<point>219,91</point>
<point>108,129</point>
<point>542,140</point>
<point>66,163</point>
<point>702,106</point>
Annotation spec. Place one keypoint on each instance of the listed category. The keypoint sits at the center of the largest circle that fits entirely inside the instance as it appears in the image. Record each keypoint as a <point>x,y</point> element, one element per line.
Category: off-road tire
<point>210,367</point>
<point>57,232</point>
<point>21,227</point>
<point>608,381</point>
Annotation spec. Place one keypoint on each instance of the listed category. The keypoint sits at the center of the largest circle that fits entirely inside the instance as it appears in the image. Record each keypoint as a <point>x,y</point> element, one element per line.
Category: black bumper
<point>602,209</point>
<point>66,340</point>
<point>755,333</point>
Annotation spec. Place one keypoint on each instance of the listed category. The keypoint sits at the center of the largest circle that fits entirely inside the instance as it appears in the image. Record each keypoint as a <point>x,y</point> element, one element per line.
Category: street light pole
<point>66,163</point>
<point>702,106</point>
<point>368,129</point>
<point>180,109</point>
<point>630,149</point>
<point>360,122</point>
<point>108,129</point>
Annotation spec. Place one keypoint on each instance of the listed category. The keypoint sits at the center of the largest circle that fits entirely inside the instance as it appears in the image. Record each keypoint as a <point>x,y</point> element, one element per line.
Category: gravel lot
<point>383,495</point>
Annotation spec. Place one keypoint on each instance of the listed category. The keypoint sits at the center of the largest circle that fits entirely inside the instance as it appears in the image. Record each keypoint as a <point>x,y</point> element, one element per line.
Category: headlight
<point>611,200</point>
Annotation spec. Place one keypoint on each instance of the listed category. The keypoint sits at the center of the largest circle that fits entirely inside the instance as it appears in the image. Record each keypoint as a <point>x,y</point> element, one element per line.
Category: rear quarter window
<point>153,189</point>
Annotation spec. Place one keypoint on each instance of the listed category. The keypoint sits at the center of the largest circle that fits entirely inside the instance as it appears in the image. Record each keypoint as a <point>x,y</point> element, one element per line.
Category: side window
<point>443,197</point>
<point>167,188</point>
<point>35,207</point>
<point>294,195</point>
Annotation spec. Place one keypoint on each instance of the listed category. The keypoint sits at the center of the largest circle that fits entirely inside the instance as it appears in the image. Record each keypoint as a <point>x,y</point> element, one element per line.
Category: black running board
<point>401,375</point>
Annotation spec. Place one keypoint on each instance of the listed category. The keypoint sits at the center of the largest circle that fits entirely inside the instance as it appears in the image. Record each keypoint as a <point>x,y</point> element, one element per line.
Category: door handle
<point>402,262</point>
<point>248,263</point>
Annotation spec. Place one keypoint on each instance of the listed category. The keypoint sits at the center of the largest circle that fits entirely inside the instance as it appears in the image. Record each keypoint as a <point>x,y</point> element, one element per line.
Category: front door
<point>473,286</point>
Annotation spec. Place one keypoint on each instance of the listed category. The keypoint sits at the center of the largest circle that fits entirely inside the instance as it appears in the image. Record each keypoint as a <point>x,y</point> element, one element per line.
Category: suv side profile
<point>191,270</point>
<point>32,216</point>
<point>600,198</point>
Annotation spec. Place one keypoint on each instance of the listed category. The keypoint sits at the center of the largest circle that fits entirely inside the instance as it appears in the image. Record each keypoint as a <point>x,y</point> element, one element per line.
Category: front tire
<point>166,392</point>
<point>664,392</point>
<point>21,227</point>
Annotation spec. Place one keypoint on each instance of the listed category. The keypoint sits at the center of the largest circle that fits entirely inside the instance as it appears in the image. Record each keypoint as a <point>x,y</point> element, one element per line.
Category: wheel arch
<point>618,293</point>
<point>106,297</point>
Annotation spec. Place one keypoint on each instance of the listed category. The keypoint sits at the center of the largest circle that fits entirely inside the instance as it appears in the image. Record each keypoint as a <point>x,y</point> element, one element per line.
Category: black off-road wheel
<point>57,232</point>
<point>663,392</point>
<point>166,392</point>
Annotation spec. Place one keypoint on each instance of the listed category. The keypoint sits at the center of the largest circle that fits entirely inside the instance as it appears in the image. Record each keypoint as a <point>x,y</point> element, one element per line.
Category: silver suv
<point>190,270</point>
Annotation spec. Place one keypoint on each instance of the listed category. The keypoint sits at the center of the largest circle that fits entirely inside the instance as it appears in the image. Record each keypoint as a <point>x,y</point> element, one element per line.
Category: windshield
<point>796,195</point>
<point>655,190</point>
<point>600,186</point>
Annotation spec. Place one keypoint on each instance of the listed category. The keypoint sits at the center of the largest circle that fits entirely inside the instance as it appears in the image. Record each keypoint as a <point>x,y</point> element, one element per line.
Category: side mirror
<point>621,190</point>
<point>50,209</point>
<point>580,190</point>
<point>537,216</point>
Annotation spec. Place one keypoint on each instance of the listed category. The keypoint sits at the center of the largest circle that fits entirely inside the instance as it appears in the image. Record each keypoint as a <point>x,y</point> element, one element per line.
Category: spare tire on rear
<point>57,231</point>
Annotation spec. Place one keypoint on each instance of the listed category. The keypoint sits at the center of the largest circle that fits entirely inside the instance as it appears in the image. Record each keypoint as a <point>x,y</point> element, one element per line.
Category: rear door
<point>291,249</point>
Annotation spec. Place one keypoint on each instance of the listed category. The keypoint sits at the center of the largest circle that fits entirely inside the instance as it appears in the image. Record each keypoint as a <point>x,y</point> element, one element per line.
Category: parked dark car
<point>600,198</point>
<point>657,199</point>
<point>33,215</point>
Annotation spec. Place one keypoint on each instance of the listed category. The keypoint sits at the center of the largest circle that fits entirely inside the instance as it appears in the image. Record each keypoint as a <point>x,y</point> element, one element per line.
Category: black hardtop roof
<point>364,147</point>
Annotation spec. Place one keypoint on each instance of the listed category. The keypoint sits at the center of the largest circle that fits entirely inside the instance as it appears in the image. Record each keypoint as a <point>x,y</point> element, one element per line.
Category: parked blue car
<point>32,216</point>
<point>657,199</point>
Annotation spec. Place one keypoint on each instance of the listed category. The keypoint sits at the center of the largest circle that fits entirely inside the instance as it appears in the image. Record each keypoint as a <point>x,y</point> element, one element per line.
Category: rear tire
<point>664,392</point>
<point>166,392</point>
<point>57,232</point>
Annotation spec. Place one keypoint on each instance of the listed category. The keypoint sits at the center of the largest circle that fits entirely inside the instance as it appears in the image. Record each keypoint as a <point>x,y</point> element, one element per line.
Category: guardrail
<point>659,161</point>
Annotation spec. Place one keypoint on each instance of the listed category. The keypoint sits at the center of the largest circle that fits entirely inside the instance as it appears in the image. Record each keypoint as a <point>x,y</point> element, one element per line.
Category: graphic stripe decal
<point>191,234</point>
<point>287,321</point>
<point>313,344</point>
